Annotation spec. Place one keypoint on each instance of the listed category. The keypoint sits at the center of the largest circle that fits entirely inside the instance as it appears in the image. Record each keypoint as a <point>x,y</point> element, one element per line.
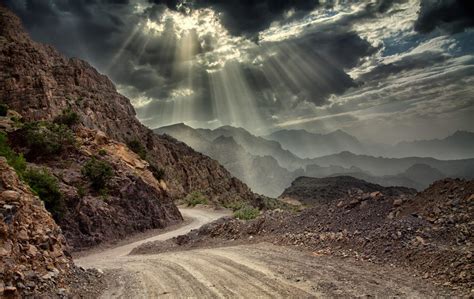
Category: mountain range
<point>268,167</point>
<point>459,145</point>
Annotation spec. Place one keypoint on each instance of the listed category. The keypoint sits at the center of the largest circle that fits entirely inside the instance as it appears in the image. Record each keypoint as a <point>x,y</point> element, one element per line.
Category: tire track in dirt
<point>247,271</point>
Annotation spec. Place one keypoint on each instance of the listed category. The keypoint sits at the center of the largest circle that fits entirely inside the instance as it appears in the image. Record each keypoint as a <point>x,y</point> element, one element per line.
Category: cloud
<point>262,63</point>
<point>247,17</point>
<point>448,15</point>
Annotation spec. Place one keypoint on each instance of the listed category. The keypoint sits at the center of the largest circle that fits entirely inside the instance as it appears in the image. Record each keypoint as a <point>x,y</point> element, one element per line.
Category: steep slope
<point>39,83</point>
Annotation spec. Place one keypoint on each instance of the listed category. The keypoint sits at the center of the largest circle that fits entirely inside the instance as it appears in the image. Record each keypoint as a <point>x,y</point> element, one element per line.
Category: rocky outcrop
<point>33,252</point>
<point>316,191</point>
<point>39,83</point>
<point>133,202</point>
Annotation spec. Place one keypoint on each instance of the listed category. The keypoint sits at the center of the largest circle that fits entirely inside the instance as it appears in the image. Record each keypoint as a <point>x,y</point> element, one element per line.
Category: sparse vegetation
<point>137,147</point>
<point>13,159</point>
<point>195,198</point>
<point>234,205</point>
<point>158,173</point>
<point>98,173</point>
<point>246,212</point>
<point>3,109</point>
<point>68,118</point>
<point>41,181</point>
<point>47,188</point>
<point>47,139</point>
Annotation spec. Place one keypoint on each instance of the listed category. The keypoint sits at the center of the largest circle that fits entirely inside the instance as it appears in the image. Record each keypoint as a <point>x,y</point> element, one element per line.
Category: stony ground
<point>261,270</point>
<point>429,235</point>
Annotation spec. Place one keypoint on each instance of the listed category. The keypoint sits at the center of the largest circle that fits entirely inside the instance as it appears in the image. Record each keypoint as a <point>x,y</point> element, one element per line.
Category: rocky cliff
<point>32,248</point>
<point>39,83</point>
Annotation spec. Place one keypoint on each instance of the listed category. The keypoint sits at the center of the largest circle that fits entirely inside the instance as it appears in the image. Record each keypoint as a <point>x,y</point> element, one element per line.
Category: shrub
<point>246,213</point>
<point>195,198</point>
<point>47,188</point>
<point>68,118</point>
<point>47,139</point>
<point>3,109</point>
<point>234,206</point>
<point>102,152</point>
<point>158,173</point>
<point>137,147</point>
<point>98,173</point>
<point>13,159</point>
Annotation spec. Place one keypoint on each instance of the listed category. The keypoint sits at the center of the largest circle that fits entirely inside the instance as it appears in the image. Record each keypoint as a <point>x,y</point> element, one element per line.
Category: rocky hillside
<point>317,191</point>
<point>39,83</point>
<point>33,252</point>
<point>428,234</point>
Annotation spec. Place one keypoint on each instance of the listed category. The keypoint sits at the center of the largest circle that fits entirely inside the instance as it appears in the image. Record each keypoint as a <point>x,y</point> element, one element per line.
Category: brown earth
<point>388,230</point>
<point>247,271</point>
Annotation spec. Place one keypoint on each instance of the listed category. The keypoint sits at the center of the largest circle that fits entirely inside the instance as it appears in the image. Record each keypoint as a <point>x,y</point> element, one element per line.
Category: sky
<point>382,70</point>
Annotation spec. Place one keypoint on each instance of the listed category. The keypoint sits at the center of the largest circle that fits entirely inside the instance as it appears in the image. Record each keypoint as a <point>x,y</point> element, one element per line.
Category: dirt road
<point>250,271</point>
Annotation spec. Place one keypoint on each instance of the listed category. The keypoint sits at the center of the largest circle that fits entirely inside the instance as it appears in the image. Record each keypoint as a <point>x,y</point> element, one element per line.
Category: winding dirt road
<point>249,271</point>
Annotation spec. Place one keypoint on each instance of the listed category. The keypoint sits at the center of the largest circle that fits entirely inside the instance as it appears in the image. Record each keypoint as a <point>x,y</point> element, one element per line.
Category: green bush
<point>3,109</point>
<point>68,118</point>
<point>195,198</point>
<point>137,147</point>
<point>98,173</point>
<point>246,213</point>
<point>47,139</point>
<point>102,152</point>
<point>234,205</point>
<point>47,188</point>
<point>13,159</point>
<point>158,173</point>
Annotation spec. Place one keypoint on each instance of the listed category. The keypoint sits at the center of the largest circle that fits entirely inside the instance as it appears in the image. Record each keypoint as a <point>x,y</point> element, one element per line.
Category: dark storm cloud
<point>450,15</point>
<point>248,17</point>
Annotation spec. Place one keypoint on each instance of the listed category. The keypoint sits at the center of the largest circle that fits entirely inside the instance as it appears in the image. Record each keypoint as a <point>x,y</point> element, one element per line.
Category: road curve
<point>199,217</point>
<point>247,271</point>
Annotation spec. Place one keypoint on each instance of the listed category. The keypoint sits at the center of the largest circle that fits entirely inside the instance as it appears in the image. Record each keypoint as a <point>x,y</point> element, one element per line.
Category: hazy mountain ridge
<point>309,145</point>
<point>262,173</point>
<point>252,159</point>
<point>459,145</point>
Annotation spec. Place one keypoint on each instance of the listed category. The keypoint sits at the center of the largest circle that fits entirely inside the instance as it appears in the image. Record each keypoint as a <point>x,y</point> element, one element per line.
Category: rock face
<point>135,199</point>
<point>32,248</point>
<point>39,83</point>
<point>315,191</point>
